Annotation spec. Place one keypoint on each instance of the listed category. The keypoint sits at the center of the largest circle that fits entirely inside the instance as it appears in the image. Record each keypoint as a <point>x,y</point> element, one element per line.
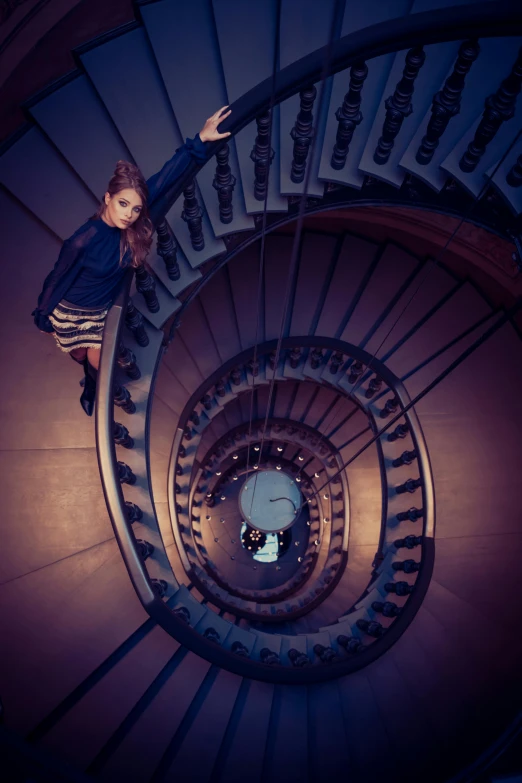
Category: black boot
<point>89,390</point>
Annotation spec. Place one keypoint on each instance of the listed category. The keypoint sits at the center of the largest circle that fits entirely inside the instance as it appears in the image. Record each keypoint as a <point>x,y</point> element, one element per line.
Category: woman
<point>79,291</point>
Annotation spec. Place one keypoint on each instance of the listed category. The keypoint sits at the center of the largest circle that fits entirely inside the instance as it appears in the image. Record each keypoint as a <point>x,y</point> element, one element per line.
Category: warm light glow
<point>218,473</point>
<point>280,448</point>
<point>256,448</point>
<point>326,520</point>
<point>278,467</point>
<point>234,478</point>
<point>326,496</point>
<point>223,497</point>
<point>300,458</point>
<point>299,559</point>
<point>256,467</point>
<point>297,478</point>
<point>235,456</point>
<point>316,475</point>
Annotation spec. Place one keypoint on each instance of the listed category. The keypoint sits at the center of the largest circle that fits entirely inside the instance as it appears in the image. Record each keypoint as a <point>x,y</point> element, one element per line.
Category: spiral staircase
<point>142,640</point>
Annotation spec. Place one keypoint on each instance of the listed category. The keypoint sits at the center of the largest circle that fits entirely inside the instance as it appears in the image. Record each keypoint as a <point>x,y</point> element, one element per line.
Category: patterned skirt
<point>78,327</point>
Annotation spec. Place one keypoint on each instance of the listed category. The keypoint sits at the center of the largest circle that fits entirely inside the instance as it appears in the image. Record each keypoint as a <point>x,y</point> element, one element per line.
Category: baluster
<point>514,175</point>
<point>220,388</point>
<point>410,542</point>
<point>500,107</point>
<point>127,362</point>
<point>182,613</point>
<point>399,588</point>
<point>325,654</point>
<point>159,587</point>
<point>268,657</point>
<point>349,115</point>
<point>390,406</point>
<point>224,182</point>
<point>193,216</point>
<point>294,357</point>
<point>350,643</point>
<point>336,361</point>
<point>121,436</point>
<point>355,371</point>
<point>134,322</point>
<point>212,635</point>
<point>298,659</point>
<point>239,649</point>
<point>412,515</point>
<point>302,133</point>
<point>386,608</point>
<point>134,512</point>
<point>206,401</point>
<point>409,486</point>
<point>446,103</point>
<point>146,285</point>
<point>373,387</point>
<point>168,250</point>
<point>253,366</point>
<point>408,566</point>
<point>406,458</point>
<point>370,627</point>
<point>399,105</point>
<point>125,474</point>
<point>235,376</point>
<point>122,399</point>
<point>316,358</point>
<point>262,156</point>
<point>145,548</point>
<point>400,431</point>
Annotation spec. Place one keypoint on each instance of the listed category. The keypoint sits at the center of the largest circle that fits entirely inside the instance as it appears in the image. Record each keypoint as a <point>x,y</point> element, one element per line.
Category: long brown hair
<point>138,237</point>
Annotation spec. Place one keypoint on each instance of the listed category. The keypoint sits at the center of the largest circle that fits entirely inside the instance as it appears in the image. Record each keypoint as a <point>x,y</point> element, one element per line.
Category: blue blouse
<point>88,271</point>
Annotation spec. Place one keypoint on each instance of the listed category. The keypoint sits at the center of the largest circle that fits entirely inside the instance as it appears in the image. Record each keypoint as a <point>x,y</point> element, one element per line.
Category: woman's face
<point>123,209</point>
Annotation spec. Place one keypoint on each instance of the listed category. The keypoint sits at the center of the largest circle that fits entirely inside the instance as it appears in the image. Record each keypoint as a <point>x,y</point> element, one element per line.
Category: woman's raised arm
<point>162,185</point>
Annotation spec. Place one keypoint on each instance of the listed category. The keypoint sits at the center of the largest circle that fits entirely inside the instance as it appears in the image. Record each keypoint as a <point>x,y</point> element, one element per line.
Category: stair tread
<point>76,120</point>
<point>354,260</point>
<point>147,739</point>
<point>392,272</point>
<point>32,160</point>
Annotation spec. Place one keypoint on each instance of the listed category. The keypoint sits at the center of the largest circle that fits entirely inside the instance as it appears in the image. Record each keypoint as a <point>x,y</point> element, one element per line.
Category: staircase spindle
<point>399,105</point>
<point>446,103</point>
<point>349,115</point>
<point>127,362</point>
<point>167,248</point>
<point>500,107</point>
<point>193,216</point>
<point>134,322</point>
<point>146,285</point>
<point>262,156</point>
<point>224,182</point>
<point>302,133</point>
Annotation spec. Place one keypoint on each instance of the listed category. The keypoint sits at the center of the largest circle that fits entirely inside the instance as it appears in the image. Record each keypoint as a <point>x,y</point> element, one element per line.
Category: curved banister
<point>490,19</point>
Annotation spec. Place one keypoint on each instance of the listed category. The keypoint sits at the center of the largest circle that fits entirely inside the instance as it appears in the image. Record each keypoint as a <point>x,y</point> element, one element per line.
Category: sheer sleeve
<point>58,281</point>
<point>162,184</point>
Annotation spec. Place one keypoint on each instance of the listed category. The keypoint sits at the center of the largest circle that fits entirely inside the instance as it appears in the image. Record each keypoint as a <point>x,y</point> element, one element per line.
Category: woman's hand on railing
<point>209,130</point>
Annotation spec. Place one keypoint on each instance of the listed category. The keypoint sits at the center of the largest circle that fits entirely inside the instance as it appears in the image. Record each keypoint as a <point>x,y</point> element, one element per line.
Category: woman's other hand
<point>209,130</point>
